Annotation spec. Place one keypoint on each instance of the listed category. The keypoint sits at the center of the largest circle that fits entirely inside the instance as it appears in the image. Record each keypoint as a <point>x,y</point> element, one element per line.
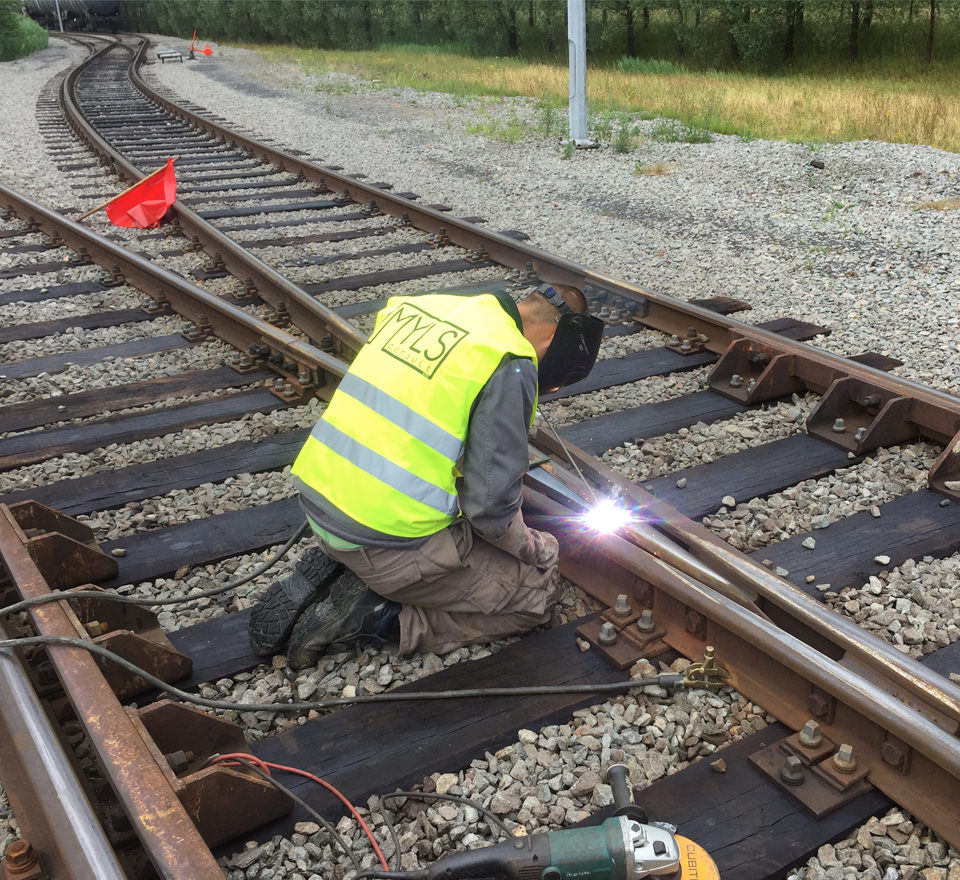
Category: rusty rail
<point>54,815</point>
<point>157,815</point>
<point>314,319</point>
<point>301,366</point>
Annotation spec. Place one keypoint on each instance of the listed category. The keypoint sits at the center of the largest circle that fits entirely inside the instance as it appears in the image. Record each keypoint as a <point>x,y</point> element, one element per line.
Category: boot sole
<point>274,616</point>
<point>312,635</point>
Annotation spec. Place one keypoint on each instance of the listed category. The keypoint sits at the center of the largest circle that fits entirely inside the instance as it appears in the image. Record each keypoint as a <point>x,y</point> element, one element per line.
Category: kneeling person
<point>412,479</point>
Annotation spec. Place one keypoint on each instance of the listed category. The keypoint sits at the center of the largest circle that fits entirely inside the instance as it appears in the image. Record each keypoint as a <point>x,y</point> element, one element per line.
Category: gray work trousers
<point>455,589</point>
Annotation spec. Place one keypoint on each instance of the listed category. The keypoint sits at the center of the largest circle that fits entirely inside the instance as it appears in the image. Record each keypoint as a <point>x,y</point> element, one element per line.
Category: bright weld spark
<point>606,516</point>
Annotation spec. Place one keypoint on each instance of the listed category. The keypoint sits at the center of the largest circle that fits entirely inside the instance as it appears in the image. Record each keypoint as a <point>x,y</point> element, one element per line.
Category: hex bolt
<point>843,760</point>
<point>45,673</point>
<point>686,345</point>
<point>674,340</point>
<point>304,378</point>
<point>792,771</point>
<point>736,380</point>
<point>19,857</point>
<point>278,383</point>
<point>861,433</point>
<point>645,623</point>
<point>608,634</point>
<point>839,426</point>
<point>622,605</point>
<point>692,332</point>
<point>810,734</point>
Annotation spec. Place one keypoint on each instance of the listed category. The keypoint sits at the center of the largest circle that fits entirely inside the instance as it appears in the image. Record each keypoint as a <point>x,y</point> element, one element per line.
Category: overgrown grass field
<point>916,106</point>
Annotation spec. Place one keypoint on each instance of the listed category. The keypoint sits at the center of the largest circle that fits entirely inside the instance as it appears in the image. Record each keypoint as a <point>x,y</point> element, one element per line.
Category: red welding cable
<point>239,758</point>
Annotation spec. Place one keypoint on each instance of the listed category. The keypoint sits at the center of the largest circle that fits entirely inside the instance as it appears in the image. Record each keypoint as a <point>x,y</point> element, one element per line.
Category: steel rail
<point>159,819</point>
<point>934,413</point>
<point>231,323</point>
<point>913,681</point>
<point>776,669</point>
<point>316,320</point>
<point>52,810</point>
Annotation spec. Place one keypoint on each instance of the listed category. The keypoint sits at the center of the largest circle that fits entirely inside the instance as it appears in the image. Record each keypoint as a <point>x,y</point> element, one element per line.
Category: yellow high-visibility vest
<point>387,448</point>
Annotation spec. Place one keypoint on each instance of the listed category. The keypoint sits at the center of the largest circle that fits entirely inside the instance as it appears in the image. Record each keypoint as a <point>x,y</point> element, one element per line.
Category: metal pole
<point>577,42</point>
<point>59,19</point>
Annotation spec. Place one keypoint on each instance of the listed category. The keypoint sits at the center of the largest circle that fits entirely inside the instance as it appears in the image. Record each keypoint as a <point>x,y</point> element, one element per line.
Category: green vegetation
<point>19,35</point>
<point>625,135</point>
<point>510,132</point>
<point>804,70</point>
<point>672,131</point>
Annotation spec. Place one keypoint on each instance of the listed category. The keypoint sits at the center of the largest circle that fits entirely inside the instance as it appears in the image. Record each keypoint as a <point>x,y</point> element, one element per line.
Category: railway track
<point>265,337</point>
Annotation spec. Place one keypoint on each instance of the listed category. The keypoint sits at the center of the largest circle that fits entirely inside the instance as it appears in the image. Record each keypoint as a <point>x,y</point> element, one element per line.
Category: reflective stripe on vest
<point>386,449</point>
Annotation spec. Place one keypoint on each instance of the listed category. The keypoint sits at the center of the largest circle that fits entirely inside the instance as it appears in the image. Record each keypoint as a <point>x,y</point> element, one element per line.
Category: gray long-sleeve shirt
<point>494,461</point>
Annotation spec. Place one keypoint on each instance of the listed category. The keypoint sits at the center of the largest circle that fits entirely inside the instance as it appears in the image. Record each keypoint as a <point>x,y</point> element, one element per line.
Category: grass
<point>941,205</point>
<point>673,131</point>
<point>907,106</point>
<point>510,132</point>
<point>656,169</point>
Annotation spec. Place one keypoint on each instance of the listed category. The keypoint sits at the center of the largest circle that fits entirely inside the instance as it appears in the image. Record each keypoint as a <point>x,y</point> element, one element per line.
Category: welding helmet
<point>574,348</point>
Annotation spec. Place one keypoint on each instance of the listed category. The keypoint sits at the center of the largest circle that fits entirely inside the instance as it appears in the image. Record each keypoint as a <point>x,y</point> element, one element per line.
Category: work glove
<point>528,545</point>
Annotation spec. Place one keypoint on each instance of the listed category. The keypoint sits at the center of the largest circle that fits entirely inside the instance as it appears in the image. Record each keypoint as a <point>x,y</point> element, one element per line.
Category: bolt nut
<point>645,623</point>
<point>622,606</point>
<point>792,771</point>
<point>843,760</point>
<point>608,634</point>
<point>674,340</point>
<point>736,380</point>
<point>839,426</point>
<point>810,735</point>
<point>861,433</point>
<point>19,857</point>
<point>686,345</point>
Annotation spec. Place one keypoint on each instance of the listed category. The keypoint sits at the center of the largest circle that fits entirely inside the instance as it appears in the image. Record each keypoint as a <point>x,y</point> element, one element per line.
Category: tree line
<point>701,34</point>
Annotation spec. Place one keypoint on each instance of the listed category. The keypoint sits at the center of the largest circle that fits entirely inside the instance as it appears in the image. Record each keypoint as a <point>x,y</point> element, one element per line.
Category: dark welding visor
<point>572,353</point>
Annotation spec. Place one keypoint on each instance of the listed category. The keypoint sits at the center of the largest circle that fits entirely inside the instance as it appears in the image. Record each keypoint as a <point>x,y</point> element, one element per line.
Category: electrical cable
<point>269,765</point>
<point>666,680</point>
<point>257,766</point>
<point>60,595</point>
<point>566,452</point>
<point>493,819</point>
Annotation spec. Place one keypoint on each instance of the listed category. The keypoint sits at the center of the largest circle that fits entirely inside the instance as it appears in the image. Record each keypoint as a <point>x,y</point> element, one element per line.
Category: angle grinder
<point>623,847</point>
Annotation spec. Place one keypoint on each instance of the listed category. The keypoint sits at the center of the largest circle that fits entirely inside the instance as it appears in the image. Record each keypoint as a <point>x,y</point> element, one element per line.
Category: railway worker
<point>411,479</point>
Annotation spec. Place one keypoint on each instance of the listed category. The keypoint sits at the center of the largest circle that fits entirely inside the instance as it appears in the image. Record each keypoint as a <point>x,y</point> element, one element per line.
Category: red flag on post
<point>142,206</point>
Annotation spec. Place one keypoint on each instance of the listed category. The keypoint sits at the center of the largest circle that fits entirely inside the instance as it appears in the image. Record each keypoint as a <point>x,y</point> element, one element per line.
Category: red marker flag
<point>143,205</point>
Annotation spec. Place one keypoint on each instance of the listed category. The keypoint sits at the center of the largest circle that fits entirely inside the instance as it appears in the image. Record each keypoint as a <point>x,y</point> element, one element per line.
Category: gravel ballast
<point>847,247</point>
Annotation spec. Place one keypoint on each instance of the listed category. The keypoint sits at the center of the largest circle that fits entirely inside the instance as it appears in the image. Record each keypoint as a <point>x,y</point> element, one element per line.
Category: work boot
<point>352,612</point>
<point>273,617</point>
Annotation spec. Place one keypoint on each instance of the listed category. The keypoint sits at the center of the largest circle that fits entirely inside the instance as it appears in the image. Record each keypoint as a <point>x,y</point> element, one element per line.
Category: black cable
<point>495,822</point>
<point>422,874</point>
<point>667,680</point>
<point>60,595</point>
<point>252,765</point>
